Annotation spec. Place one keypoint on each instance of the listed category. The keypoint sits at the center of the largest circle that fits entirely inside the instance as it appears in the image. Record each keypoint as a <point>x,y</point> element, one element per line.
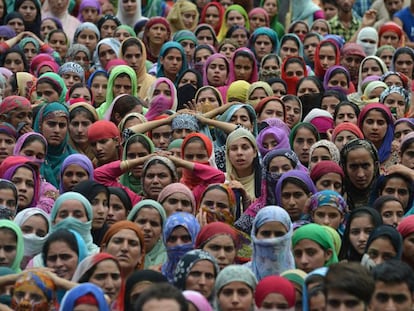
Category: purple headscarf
<point>328,75</point>
<point>221,89</point>
<point>280,135</point>
<point>299,175</point>
<point>22,140</point>
<point>78,159</point>
<point>7,32</point>
<point>88,4</point>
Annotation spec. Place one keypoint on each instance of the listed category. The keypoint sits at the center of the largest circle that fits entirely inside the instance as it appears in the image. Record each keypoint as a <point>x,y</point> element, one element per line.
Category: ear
<point>162,60</point>
<point>328,254</point>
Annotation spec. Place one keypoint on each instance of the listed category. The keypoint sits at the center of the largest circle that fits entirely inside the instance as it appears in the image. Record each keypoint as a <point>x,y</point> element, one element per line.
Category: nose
<point>202,279</point>
<point>2,255</point>
<point>362,237</point>
<point>99,147</point>
<point>326,221</point>
<point>292,201</point>
<point>222,253</point>
<point>146,226</point>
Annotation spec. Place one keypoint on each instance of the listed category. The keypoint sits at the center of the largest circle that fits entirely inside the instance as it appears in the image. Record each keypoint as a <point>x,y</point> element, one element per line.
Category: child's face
<point>270,7</point>
<point>330,10</point>
<point>317,303</point>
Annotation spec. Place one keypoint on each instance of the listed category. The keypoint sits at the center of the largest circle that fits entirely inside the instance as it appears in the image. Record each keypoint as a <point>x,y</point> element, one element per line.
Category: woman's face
<point>189,19</point>
<point>270,7</point>
<point>161,136</point>
<point>172,62</point>
<point>343,138</point>
<point>374,127</point>
<point>188,78</point>
<point>90,14</point>
<point>136,150</point>
<point>407,158</point>
<point>126,248</point>
<point>221,247</point>
<point>216,200</point>
<point>302,142</point>
<point>327,56</point>
<point>106,54</point>
<point>242,117</point>
<point>278,89</point>
<point>346,114</point>
<point>386,57</point>
<point>25,291</point>
<point>392,212</point>
<point>35,224</point>
<point>319,154</point>
<point>108,29</point>
<point>359,230</point>
<point>235,18</point>
<point>320,27</point>
<point>122,85</point>
<point>235,296</point>
<point>212,16</point>
<point>7,144</point>
<point>108,277</point>
<point>241,154</point>
<point>122,34</point>
<point>54,130</point>
<point>149,221</point>
<point>329,103</point>
<point>71,208</point>
<point>227,50</point>
<point>309,47</point>
<point>46,92</point>
<point>404,63</point>
<point>271,230</point>
<point>294,70</point>
<point>340,80</point>
<point>270,64</point>
<point>360,168</point>
<point>217,72</point>
<point>330,181</point>
<point>117,210</point>
<point>24,181</point>
<point>207,100</point>
<point>88,38</point>
<point>309,255</point>
<point>401,130</point>
<point>195,151</point>
<point>46,26</point>
<point>240,36</point>
<point>99,87</point>
<point>58,7</point>
<point>289,48</point>
<point>156,178</point>
<point>262,46</point>
<point>293,112</point>
<point>257,95</point>
<point>16,24</point>
<point>100,206</point>
<point>327,216</point>
<point>307,87</point>
<point>62,259</point>
<point>397,101</point>
<point>408,248</point>
<point>157,34</point>
<point>201,55</point>
<point>129,7</point>
<point>177,202</point>
<point>29,51</point>
<point>72,175</point>
<point>389,38</point>
<point>280,165</point>
<point>381,250</point>
<point>293,200</point>
<point>8,243</point>
<point>82,92</point>
<point>179,236</point>
<point>370,68</point>
<point>398,188</point>
<point>57,41</point>
<point>256,21</point>
<point>14,62</point>
<point>201,278</point>
<point>272,109</point>
<point>243,68</point>
<point>70,78</point>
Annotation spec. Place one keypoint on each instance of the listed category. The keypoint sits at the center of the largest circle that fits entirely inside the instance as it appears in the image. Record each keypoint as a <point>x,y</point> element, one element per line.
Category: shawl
<point>381,64</point>
<point>113,43</point>
<point>371,34</point>
<point>237,91</point>
<point>384,150</point>
<point>292,82</point>
<point>327,198</point>
<point>395,28</point>
<point>330,73</point>
<point>11,225</point>
<point>317,234</point>
<point>274,255</point>
<point>406,226</point>
<point>25,83</point>
<point>198,300</point>
<point>33,243</point>
<point>55,156</point>
<point>224,26</point>
<point>115,72</point>
<point>80,291</point>
<point>150,95</point>
<point>175,253</point>
<point>258,85</point>
<point>157,255</point>
<point>128,179</point>
<point>319,70</point>
<point>213,229</point>
<point>220,9</point>
<point>163,52</point>
<point>72,67</point>
<point>325,167</point>
<point>304,10</point>
<point>21,142</point>
<point>347,126</point>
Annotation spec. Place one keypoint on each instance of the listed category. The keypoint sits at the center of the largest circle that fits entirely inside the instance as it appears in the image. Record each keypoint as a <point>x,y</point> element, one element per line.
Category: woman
<point>14,60</point>
<point>11,235</point>
<point>328,208</point>
<point>172,61</point>
<point>216,73</point>
<point>313,238</point>
<point>177,197</point>
<point>275,292</point>
<point>106,50</point>
<point>344,133</point>
<point>150,217</point>
<point>75,298</point>
<point>327,54</point>
<point>405,228</point>
<point>52,121</point>
<point>328,175</point>
<point>272,138</point>
<point>293,70</point>
<point>402,127</point>
<point>337,78</point>
<point>197,270</point>
<point>403,61</point>
<point>33,146</point>
<point>179,235</point>
<point>346,112</point>
<point>358,184</point>
<point>134,53</point>
<point>392,34</point>
<point>221,241</point>
<point>377,125</point>
<point>271,107</point>
<point>301,138</point>
<point>88,35</point>
<point>271,236</point>
<point>119,205</point>
<point>183,15</point>
<point>98,82</point>
<point>267,36</point>
<point>212,14</point>
<point>51,88</point>
<point>157,31</point>
<point>243,66</point>
<point>75,169</point>
<point>234,288</point>
<point>322,150</point>
<point>125,241</point>
<point>234,15</point>
<point>129,12</point>
<point>290,45</point>
<point>391,210</point>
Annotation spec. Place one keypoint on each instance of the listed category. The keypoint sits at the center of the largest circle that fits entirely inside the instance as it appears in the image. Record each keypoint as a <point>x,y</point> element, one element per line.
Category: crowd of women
<point>210,145</point>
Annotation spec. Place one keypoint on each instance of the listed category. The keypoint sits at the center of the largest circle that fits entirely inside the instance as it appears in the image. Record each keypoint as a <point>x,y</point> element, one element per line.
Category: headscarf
<point>392,27</point>
<point>34,26</point>
<point>371,34</point>
<point>279,134</point>
<point>245,52</point>
<point>273,255</point>
<point>325,167</point>
<point>55,156</point>
<point>13,102</point>
<point>388,232</point>
<point>187,262</point>
<point>7,32</point>
<point>300,125</point>
<point>399,90</point>
<point>25,83</point>
<point>175,253</point>
<point>113,43</point>
<point>214,229</point>
<point>385,149</point>
<point>86,292</point>
<point>72,67</point>
<point>88,4</point>
<point>330,146</point>
<point>32,242</point>
<point>258,85</point>
<point>90,262</point>
<point>264,31</point>
<point>220,11</point>
<point>369,88</point>
<point>126,19</point>
<point>347,126</point>
<point>291,37</point>
<point>327,198</point>
<point>22,140</point>
<point>9,167</point>
<point>380,63</point>
<point>175,16</point>
<point>319,71</point>
<point>278,285</point>
<point>151,22</point>
<point>164,50</point>
<point>406,226</point>
<point>163,161</point>
<point>151,96</point>
<point>237,91</point>
<point>79,160</point>
<point>292,82</point>
<point>157,254</point>
<point>12,226</point>
<point>56,82</point>
<point>82,228</point>
<point>235,273</point>
<point>317,234</point>
<point>177,188</point>
<point>224,27</point>
<point>330,73</point>
<point>198,300</point>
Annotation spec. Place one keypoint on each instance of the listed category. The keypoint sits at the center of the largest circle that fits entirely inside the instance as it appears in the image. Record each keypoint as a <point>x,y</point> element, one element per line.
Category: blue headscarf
<point>264,31</point>
<point>70,298</point>
<point>164,49</point>
<point>174,253</point>
<point>319,271</point>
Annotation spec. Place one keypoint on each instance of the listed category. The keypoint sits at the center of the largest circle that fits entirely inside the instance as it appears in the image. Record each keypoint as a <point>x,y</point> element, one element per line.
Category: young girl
<point>327,208</point>
<point>243,66</point>
<point>391,210</point>
<point>326,55</point>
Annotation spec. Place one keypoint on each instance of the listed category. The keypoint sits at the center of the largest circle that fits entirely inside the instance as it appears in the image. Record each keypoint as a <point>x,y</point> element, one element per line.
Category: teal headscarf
<point>127,28</point>
<point>164,49</point>
<point>264,31</point>
<point>57,82</point>
<point>8,224</point>
<point>55,156</point>
<point>319,235</point>
<point>128,179</point>
<point>158,254</point>
<point>27,40</point>
<point>291,36</point>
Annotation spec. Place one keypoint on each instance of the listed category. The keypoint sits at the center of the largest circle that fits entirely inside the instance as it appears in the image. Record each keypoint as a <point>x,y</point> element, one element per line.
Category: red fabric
<point>406,226</point>
<point>13,102</point>
<point>319,71</point>
<point>213,229</point>
<point>325,167</point>
<point>259,107</point>
<point>347,126</point>
<point>221,15</point>
<point>370,107</point>
<point>103,129</point>
<point>292,82</point>
<point>275,284</point>
<point>393,27</point>
<point>87,299</point>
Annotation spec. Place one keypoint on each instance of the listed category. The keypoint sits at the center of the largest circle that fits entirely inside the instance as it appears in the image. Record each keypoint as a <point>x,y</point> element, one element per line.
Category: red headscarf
<point>221,15</point>
<point>151,22</point>
<point>292,82</point>
<point>325,167</point>
<point>406,226</point>
<point>212,230</point>
<point>393,27</point>
<point>275,284</point>
<point>319,71</point>
<point>347,126</point>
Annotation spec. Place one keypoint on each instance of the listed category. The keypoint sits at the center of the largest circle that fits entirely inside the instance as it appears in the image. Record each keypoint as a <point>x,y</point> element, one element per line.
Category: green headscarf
<point>319,235</point>
<point>224,28</point>
<point>297,127</point>
<point>57,81</point>
<point>128,179</point>
<point>274,22</point>
<point>4,223</point>
<point>115,72</point>
<point>127,28</point>
<point>157,255</point>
